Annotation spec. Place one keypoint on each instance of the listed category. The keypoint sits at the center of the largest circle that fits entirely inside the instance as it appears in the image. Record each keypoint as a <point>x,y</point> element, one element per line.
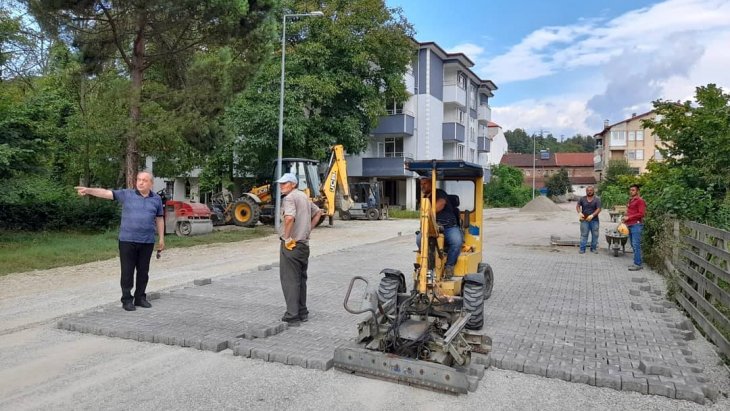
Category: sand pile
<point>540,204</point>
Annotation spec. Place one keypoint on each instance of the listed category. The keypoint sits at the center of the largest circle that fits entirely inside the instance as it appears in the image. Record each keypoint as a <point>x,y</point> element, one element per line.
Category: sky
<point>565,66</point>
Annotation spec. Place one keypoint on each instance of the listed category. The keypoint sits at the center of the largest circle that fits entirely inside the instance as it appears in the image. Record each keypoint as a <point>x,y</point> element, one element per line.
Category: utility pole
<point>534,159</point>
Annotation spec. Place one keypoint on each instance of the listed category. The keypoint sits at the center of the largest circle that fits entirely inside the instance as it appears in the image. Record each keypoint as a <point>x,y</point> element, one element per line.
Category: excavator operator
<point>445,217</point>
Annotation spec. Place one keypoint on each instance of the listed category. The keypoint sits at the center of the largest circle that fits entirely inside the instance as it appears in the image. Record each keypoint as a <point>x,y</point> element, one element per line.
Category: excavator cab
<point>427,336</point>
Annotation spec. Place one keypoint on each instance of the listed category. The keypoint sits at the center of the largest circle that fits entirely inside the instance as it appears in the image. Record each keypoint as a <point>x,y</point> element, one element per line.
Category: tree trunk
<point>137,72</point>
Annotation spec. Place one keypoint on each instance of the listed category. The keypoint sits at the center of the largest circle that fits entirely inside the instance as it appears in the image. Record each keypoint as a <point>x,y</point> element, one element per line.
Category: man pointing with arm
<point>142,215</point>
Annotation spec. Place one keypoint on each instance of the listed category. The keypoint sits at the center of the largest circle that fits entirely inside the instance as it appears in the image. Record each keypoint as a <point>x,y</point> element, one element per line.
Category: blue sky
<point>566,65</point>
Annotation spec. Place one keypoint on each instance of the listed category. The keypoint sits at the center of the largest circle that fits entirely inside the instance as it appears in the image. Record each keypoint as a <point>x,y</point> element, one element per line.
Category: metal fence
<point>701,260</point>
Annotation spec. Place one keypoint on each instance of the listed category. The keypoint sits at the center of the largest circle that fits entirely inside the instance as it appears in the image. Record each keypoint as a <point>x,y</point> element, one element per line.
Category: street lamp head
<point>316,14</point>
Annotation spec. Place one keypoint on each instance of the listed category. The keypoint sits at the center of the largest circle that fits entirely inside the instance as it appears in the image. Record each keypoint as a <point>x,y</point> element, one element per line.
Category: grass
<point>27,251</point>
<point>395,213</point>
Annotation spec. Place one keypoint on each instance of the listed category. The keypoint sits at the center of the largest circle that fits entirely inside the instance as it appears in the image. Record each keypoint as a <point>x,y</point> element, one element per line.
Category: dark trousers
<point>134,256</point>
<point>293,276</point>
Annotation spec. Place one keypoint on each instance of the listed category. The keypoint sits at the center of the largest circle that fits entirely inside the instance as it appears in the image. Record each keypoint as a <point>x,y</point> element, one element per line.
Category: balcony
<point>392,166</point>
<point>396,123</point>
<point>484,113</point>
<point>483,144</point>
<point>454,94</point>
<point>453,132</point>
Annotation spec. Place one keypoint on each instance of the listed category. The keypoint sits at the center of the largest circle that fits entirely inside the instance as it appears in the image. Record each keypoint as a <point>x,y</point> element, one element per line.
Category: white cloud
<point>473,51</point>
<point>593,42</point>
<point>659,52</point>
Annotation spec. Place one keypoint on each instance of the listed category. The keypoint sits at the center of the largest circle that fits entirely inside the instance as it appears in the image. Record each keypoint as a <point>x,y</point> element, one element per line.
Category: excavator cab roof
<point>447,169</point>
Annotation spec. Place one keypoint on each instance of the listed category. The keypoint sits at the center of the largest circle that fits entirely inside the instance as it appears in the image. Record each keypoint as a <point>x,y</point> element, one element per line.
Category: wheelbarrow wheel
<point>615,252</point>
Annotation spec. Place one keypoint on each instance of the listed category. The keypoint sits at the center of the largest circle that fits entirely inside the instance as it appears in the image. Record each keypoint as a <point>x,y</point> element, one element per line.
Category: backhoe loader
<point>258,203</point>
<point>426,337</point>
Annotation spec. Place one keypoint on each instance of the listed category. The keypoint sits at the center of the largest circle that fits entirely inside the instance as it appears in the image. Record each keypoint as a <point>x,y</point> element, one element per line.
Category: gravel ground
<point>46,368</point>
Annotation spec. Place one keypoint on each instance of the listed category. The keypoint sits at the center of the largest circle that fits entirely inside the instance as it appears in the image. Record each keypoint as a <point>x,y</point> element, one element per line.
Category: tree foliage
<point>521,142</point>
<point>506,188</point>
<point>558,184</point>
<point>341,70</point>
<point>184,59</point>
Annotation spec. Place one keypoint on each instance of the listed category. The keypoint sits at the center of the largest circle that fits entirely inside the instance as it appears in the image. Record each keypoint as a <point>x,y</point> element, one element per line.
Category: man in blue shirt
<point>142,215</point>
<point>588,208</point>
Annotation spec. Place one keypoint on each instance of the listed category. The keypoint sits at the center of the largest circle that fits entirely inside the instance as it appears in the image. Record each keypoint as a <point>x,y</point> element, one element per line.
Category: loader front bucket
<point>408,371</point>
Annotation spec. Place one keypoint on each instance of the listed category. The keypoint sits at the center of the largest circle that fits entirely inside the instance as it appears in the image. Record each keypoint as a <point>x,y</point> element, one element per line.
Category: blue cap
<point>288,178</point>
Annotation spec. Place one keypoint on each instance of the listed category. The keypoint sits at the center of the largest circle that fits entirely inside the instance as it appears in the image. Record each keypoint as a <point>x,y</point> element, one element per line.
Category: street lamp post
<point>277,215</point>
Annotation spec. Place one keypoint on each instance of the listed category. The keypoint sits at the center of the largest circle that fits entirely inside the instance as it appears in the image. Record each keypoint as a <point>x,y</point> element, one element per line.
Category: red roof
<point>582,180</point>
<point>574,159</point>
<point>525,160</point>
<point>493,124</point>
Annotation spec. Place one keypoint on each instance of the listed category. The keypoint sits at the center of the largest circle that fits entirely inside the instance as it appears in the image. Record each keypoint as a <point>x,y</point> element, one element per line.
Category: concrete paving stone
<point>535,367</point>
<point>215,345</point>
<point>561,371</point>
<point>583,376</point>
<point>202,281</point>
<point>710,391</point>
<point>259,353</point>
<point>264,267</point>
<point>514,363</point>
<point>279,356</point>
<point>323,364</point>
<point>630,383</point>
<point>635,293</point>
<point>657,308</point>
<point>297,360</point>
<point>638,279</point>
<point>153,296</point>
<point>657,292</point>
<point>604,379</point>
<point>645,287</point>
<point>662,388</point>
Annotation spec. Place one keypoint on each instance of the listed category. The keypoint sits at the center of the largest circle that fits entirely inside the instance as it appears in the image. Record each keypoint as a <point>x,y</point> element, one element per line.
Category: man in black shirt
<point>445,217</point>
<point>588,208</point>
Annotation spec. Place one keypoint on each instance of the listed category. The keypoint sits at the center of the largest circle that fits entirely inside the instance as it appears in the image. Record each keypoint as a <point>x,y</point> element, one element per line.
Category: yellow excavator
<point>427,337</point>
<point>258,203</point>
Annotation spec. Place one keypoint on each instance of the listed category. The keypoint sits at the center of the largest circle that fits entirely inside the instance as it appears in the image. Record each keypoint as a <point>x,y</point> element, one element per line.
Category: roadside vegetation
<point>394,213</point>
<point>27,251</point>
<point>506,188</point>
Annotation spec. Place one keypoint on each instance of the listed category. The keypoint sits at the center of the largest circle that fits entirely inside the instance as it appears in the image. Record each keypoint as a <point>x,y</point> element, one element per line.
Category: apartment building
<point>446,117</point>
<point>628,140</point>
<point>498,144</point>
<point>579,167</point>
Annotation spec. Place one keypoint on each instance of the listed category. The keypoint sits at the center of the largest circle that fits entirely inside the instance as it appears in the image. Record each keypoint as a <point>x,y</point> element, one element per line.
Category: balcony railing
<point>454,94</point>
<point>393,166</point>
<point>397,123</point>
<point>484,113</point>
<point>453,132</point>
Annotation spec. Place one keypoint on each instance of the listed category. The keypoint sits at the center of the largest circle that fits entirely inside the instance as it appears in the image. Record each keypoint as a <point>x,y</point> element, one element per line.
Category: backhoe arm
<point>336,179</point>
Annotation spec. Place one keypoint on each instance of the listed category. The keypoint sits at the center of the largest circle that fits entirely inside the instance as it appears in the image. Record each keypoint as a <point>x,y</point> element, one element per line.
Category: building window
<point>618,138</point>
<point>658,155</point>
<point>640,135</point>
<point>461,80</point>
<point>636,154</point>
<point>473,98</point>
<point>393,147</point>
<point>461,116</point>
<point>632,135</point>
<point>459,152</point>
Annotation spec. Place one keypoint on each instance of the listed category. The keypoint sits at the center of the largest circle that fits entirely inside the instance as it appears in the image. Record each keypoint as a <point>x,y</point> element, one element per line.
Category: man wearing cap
<point>299,217</point>
<point>445,217</point>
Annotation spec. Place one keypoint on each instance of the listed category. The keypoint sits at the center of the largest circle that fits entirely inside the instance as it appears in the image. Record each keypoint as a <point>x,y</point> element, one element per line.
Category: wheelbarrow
<point>616,241</point>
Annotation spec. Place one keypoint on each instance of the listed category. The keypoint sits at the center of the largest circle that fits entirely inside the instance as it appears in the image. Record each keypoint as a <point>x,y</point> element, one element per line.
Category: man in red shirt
<point>634,219</point>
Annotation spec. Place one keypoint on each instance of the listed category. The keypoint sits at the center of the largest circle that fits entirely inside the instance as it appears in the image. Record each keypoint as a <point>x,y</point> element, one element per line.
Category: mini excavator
<point>428,337</point>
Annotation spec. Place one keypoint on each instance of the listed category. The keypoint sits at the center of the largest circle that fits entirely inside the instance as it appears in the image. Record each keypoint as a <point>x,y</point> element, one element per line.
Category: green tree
<point>506,188</point>
<point>341,73</point>
<point>518,141</point>
<point>197,55</point>
<point>559,184</point>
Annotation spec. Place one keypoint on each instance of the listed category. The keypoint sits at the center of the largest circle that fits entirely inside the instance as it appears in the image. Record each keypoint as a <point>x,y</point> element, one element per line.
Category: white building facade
<point>446,117</point>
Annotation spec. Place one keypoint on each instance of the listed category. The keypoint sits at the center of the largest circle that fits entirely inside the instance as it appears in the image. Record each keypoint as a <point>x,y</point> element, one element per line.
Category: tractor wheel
<point>184,228</point>
<point>474,304</point>
<point>486,270</point>
<point>388,295</point>
<point>246,212</point>
<point>373,213</point>
<point>345,215</point>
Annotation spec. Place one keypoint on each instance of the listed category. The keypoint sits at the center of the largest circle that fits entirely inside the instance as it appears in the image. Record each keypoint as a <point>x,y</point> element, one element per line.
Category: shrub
<point>36,203</point>
<point>505,188</point>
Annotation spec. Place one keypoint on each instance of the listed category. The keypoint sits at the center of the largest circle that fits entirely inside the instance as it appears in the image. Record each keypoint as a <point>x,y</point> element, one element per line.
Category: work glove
<point>590,217</point>
<point>581,217</point>
<point>290,244</point>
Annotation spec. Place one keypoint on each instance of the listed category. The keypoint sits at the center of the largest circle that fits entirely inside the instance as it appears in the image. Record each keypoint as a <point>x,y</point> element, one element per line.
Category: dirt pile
<point>540,204</point>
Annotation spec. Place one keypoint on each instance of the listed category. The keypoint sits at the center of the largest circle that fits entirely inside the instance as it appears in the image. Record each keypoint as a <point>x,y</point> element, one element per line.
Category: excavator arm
<point>336,179</point>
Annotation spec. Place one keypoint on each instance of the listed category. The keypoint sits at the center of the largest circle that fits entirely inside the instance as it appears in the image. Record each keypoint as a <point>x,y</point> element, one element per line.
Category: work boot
<point>128,306</point>
<point>449,271</point>
<point>292,321</point>
<point>303,317</point>
<point>635,267</point>
<point>142,303</point>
